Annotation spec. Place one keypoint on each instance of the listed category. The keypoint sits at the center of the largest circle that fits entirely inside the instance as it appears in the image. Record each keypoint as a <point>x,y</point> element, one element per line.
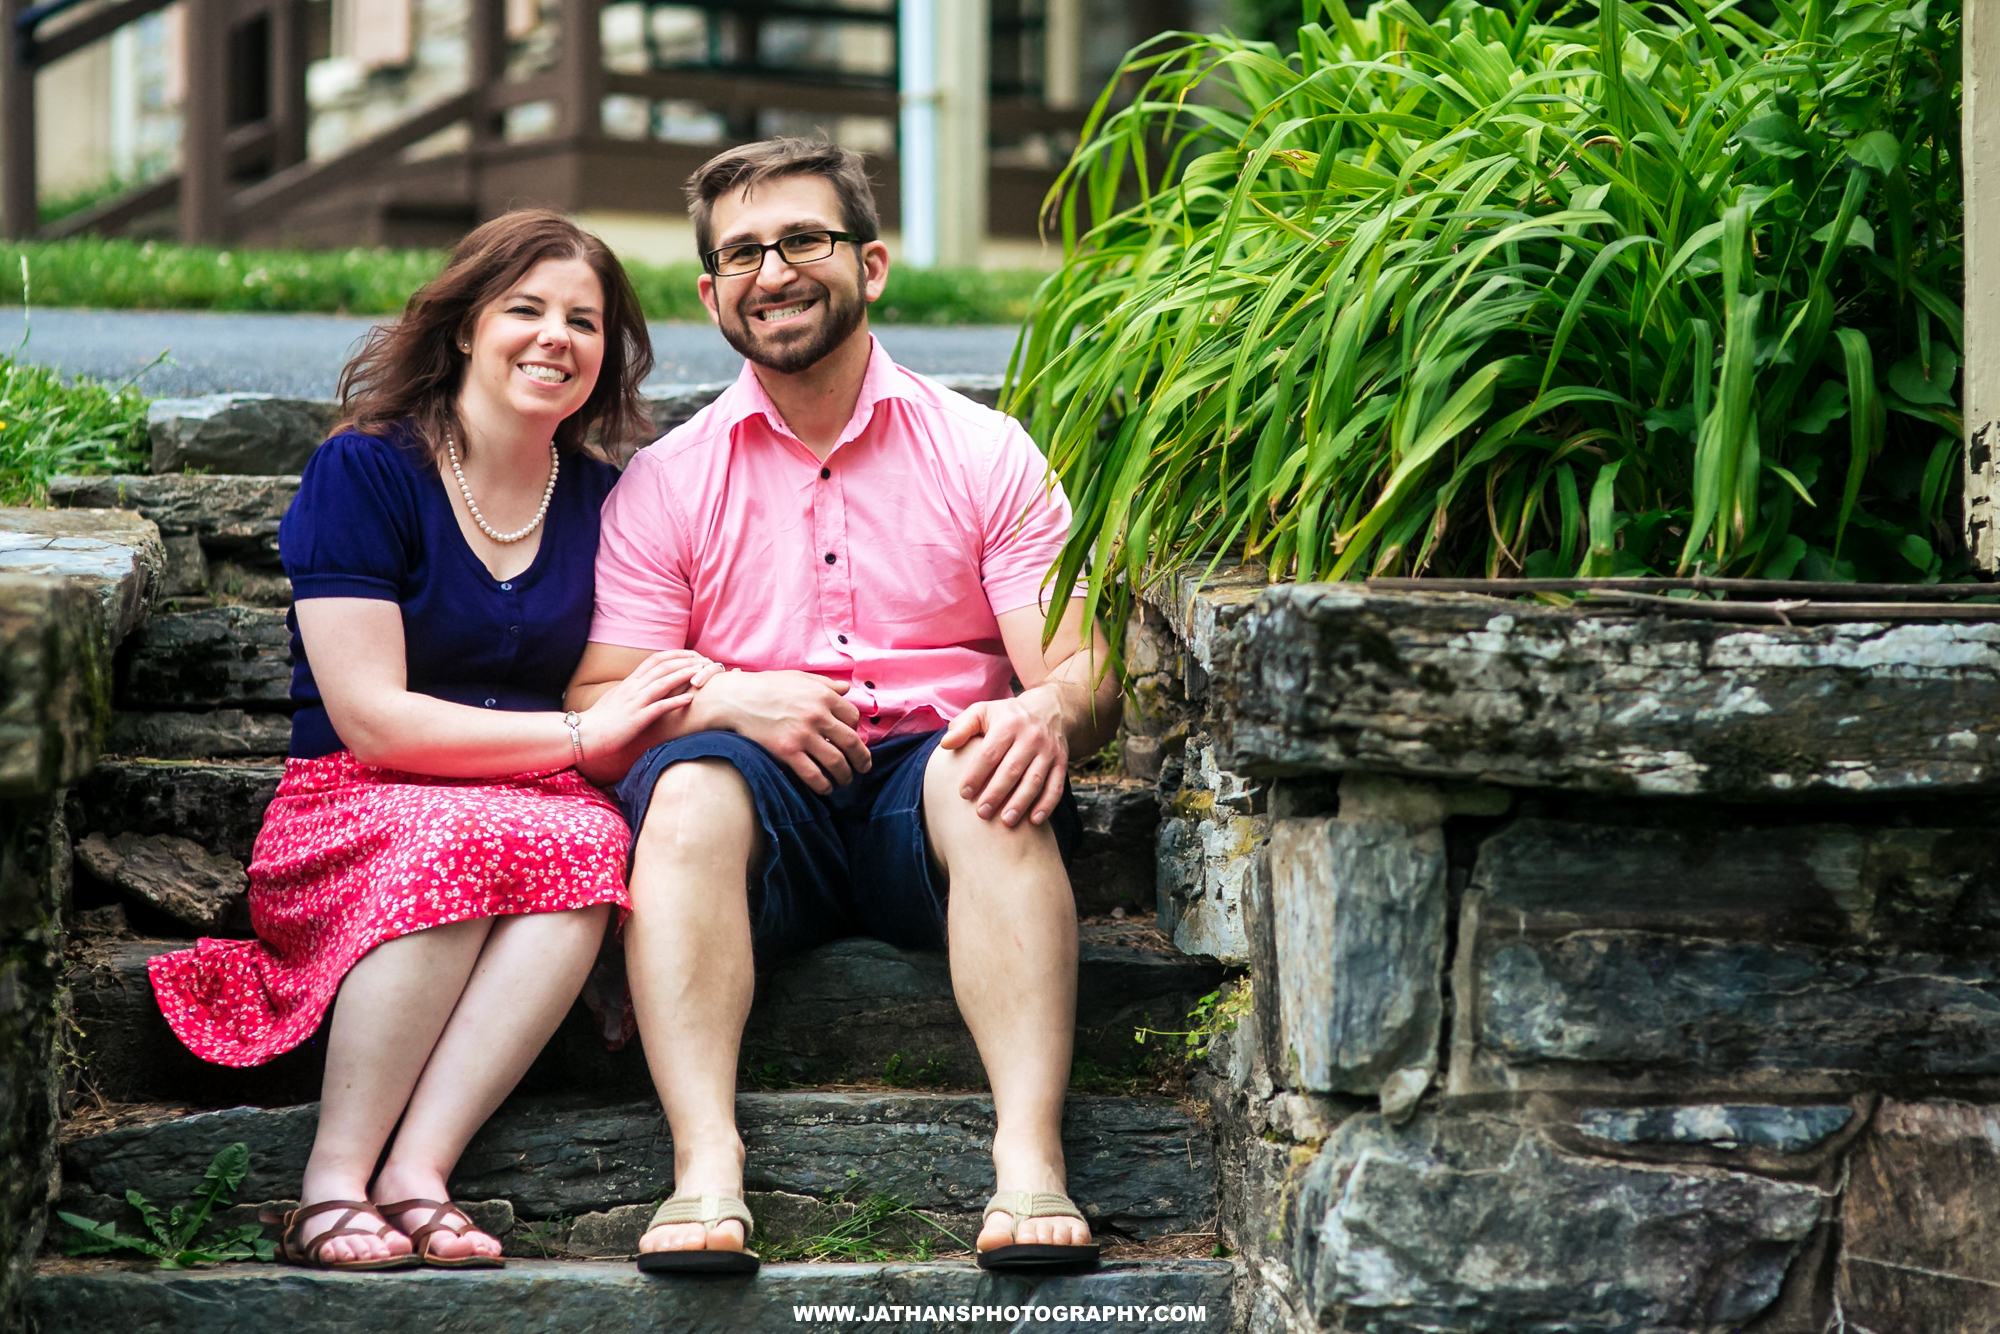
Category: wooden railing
<point>245,173</point>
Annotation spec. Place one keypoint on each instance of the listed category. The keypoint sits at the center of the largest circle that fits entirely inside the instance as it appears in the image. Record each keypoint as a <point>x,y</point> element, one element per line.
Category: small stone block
<point>1920,1221</point>
<point>243,434</point>
<point>1359,919</point>
<point>1725,1125</point>
<point>176,875</point>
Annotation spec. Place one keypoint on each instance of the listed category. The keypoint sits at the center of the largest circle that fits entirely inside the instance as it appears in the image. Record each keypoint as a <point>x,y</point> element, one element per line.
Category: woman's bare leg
<point>386,1020</point>
<point>524,982</point>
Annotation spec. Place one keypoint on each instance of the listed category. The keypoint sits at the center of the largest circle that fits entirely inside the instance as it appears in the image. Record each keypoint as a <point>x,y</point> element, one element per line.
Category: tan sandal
<point>708,1210</point>
<point>420,1238</point>
<point>309,1254</point>
<point>1021,1205</point>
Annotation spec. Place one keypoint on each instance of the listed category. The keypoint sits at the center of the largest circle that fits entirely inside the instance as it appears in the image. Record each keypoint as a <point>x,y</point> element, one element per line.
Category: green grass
<point>1525,289</point>
<point>49,426</point>
<point>148,275</point>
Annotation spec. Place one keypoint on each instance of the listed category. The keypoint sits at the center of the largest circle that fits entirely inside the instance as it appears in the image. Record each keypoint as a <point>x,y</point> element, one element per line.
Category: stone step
<point>1139,1168</point>
<point>853,1011</point>
<point>220,804</point>
<point>215,658</point>
<point>76,1298</point>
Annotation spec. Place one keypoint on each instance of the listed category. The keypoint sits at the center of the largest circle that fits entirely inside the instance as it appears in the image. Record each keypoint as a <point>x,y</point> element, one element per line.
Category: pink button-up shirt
<point>886,566</point>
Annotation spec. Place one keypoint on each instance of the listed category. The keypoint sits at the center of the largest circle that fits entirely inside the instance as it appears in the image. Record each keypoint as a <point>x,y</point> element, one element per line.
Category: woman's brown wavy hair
<point>410,371</point>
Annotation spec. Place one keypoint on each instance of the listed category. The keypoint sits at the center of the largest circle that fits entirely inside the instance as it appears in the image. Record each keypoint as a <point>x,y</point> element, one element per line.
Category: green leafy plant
<point>1627,290</point>
<point>1214,1014</point>
<point>176,1240</point>
<point>50,426</point>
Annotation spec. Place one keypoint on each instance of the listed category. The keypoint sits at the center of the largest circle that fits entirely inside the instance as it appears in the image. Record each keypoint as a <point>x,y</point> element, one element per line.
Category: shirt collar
<point>882,380</point>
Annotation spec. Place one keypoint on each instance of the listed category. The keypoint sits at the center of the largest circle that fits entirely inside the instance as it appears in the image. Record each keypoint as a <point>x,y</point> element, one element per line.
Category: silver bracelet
<point>574,721</point>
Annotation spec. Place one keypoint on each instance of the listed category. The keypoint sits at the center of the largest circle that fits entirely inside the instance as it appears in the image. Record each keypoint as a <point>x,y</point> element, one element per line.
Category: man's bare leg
<point>687,954</point>
<point>1012,934</point>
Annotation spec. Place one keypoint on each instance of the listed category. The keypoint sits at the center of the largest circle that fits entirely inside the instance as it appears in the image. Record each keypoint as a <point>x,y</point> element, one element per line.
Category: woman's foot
<point>349,1248</point>
<point>443,1244</point>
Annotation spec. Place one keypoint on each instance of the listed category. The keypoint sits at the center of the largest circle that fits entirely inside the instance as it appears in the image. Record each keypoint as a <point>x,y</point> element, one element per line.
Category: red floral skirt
<point>351,856</point>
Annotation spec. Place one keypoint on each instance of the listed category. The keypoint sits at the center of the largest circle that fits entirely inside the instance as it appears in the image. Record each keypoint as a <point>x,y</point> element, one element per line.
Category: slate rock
<point>1641,1012</point>
<point>1208,853</point>
<point>852,1005</point>
<point>1332,677</point>
<point>244,434</point>
<point>1725,1125</point>
<point>535,1296</point>
<point>230,513</point>
<point>1920,1220</point>
<point>1143,1166</point>
<point>217,734</point>
<point>1359,918</point>
<point>1113,864</point>
<point>616,1232</point>
<point>118,556</point>
<point>175,875</point>
<point>219,804</point>
<point>55,682</point>
<point>1925,888</point>
<point>1473,1223</point>
<point>223,657</point>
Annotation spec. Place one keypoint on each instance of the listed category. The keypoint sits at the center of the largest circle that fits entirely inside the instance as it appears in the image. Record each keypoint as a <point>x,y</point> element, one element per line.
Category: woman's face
<point>537,350</point>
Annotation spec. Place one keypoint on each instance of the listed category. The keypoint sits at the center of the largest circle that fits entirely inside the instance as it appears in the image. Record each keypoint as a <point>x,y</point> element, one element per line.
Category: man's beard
<point>843,316</point>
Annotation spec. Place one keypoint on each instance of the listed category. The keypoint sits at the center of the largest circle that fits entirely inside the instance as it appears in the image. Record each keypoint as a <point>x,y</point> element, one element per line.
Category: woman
<point>433,857</point>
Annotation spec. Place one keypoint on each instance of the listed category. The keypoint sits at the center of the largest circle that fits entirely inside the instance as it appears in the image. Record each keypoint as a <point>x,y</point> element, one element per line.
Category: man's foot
<point>725,1235</point>
<point>443,1244</point>
<point>1003,1229</point>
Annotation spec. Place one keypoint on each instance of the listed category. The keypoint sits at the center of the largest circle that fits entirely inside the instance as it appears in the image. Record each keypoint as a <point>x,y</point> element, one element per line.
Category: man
<point>869,556</point>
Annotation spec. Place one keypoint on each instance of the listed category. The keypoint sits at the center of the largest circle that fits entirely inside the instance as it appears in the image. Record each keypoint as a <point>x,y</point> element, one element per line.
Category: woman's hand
<point>662,683</point>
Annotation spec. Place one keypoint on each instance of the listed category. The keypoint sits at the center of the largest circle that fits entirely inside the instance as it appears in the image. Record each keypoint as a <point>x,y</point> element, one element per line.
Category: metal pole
<point>917,74</point>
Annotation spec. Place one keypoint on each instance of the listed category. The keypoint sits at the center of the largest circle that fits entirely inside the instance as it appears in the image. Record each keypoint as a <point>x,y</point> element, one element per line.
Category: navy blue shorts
<point>855,863</point>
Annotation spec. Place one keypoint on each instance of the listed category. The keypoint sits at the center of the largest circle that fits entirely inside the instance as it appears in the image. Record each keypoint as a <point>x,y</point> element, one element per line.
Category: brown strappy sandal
<point>420,1238</point>
<point>309,1254</point>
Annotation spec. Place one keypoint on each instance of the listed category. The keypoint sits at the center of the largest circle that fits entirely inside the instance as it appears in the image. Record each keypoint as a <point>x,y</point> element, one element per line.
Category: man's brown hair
<point>751,165</point>
<point>411,370</point>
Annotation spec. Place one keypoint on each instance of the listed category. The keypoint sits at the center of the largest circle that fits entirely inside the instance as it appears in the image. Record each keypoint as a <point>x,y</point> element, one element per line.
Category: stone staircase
<point>861,1088</point>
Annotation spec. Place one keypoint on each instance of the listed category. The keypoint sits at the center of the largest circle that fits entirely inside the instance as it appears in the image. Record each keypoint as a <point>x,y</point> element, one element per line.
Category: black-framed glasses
<point>798,248</point>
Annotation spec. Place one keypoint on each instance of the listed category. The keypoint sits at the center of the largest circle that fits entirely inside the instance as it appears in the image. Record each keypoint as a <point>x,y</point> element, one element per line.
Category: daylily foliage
<point>1616,290</point>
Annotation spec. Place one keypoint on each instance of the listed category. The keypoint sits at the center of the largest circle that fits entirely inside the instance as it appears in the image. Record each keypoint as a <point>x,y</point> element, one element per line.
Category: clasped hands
<point>1018,768</point>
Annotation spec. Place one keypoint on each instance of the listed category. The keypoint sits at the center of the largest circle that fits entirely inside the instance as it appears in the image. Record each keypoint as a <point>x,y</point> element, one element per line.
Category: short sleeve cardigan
<point>373,520</point>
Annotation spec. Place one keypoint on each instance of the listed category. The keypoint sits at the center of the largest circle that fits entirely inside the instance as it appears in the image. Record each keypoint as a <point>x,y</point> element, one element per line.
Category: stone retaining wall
<point>1607,972</point>
<point>73,586</point>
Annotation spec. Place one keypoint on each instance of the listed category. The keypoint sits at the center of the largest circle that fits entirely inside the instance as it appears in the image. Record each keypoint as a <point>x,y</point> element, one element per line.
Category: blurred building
<point>407,122</point>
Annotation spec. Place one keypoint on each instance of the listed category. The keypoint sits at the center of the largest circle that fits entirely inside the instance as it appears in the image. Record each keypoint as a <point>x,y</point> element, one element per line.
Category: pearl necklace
<point>548,493</point>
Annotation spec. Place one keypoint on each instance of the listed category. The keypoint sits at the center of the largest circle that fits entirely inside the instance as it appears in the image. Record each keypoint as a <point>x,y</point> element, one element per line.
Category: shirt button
<point>869,684</point>
<point>829,558</point>
<point>491,702</point>
<point>513,629</point>
<point>825,473</point>
<point>874,717</point>
<point>508,587</point>
<point>841,638</point>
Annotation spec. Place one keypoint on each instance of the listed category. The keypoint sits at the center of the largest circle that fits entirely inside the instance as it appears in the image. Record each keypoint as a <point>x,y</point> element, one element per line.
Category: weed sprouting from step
<point>546,1235</point>
<point>878,1227</point>
<point>177,1242</point>
<point>1213,1015</point>
<point>933,1073</point>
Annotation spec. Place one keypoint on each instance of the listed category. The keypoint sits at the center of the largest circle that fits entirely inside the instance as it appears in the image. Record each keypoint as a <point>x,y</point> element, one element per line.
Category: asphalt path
<point>300,356</point>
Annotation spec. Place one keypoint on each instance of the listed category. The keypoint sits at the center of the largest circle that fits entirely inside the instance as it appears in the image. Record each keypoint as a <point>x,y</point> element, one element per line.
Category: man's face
<point>787,317</point>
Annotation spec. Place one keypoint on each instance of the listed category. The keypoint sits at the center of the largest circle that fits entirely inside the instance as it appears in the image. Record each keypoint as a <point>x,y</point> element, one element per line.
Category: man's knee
<point>952,821</point>
<point>699,807</point>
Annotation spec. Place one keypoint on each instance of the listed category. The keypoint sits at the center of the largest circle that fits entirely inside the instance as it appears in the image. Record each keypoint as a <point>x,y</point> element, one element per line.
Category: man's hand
<point>1021,758</point>
<point>801,718</point>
